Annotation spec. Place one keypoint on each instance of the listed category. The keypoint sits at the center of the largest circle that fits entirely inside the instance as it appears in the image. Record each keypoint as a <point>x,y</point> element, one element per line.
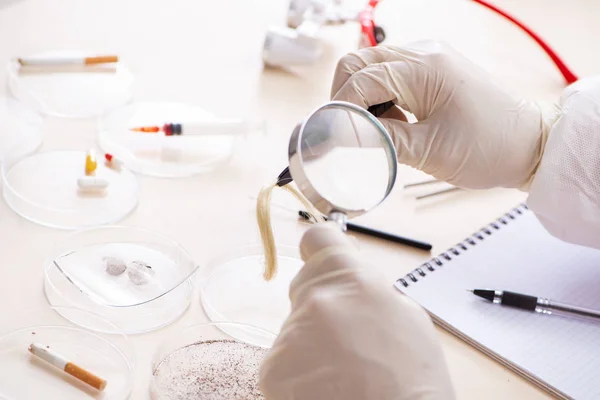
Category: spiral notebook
<point>515,253</point>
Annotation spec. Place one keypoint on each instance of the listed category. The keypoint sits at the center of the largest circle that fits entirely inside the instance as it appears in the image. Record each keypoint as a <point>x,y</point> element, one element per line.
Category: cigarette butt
<point>58,361</point>
<point>101,60</point>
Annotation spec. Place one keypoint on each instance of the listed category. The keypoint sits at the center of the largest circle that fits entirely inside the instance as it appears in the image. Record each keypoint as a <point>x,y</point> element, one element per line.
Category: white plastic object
<point>92,183</point>
<point>285,46</point>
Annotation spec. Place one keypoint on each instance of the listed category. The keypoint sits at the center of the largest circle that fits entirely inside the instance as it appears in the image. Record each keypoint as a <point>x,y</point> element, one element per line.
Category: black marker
<point>378,234</point>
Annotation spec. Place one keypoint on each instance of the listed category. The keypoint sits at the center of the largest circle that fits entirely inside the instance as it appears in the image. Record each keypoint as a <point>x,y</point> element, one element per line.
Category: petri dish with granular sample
<point>43,188</point>
<point>211,361</point>
<point>25,376</point>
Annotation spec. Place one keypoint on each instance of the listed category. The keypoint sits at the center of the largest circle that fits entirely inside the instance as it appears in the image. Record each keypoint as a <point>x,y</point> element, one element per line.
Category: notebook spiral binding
<point>433,264</point>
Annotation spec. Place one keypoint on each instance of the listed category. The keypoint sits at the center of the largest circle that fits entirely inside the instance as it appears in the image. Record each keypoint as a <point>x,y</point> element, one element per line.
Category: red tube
<point>569,76</point>
<point>366,22</point>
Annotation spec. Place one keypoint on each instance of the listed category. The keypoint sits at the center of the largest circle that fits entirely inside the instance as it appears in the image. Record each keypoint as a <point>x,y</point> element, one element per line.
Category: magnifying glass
<point>342,159</point>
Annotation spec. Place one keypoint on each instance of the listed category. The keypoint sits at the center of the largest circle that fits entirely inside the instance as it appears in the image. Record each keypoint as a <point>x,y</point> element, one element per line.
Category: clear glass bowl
<point>20,129</point>
<point>43,188</point>
<point>181,355</point>
<point>232,287</point>
<point>150,287</point>
<point>24,376</point>
<point>71,92</point>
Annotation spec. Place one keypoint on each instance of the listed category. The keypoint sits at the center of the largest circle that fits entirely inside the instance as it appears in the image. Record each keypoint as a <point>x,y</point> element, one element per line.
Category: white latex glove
<point>350,335</point>
<point>474,134</point>
<point>471,131</point>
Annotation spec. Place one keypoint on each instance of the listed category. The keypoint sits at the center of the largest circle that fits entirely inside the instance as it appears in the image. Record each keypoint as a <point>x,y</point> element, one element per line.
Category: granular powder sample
<point>210,370</point>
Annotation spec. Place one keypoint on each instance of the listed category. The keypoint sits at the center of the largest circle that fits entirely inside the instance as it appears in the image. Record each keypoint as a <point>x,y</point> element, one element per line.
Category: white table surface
<point>208,53</point>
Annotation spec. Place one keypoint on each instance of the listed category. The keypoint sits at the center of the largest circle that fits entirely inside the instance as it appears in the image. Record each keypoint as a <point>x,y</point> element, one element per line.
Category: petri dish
<point>232,287</point>
<point>71,92</point>
<point>43,189</point>
<point>20,129</point>
<point>223,356</point>
<point>137,279</point>
<point>160,155</point>
<point>24,376</point>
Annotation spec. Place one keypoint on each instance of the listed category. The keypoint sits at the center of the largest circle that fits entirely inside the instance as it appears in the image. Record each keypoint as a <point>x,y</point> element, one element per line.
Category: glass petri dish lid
<point>43,188</point>
<point>216,361</point>
<point>232,287</point>
<point>170,156</point>
<point>24,376</point>
<point>70,91</point>
<point>20,129</point>
<point>135,278</point>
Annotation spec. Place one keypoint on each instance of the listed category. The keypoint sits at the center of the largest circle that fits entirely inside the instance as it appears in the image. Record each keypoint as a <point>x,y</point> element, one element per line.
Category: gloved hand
<point>474,134</point>
<point>471,132</point>
<point>350,335</point>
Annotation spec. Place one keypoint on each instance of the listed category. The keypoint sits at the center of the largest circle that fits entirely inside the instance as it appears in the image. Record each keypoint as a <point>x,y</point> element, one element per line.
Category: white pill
<point>92,183</point>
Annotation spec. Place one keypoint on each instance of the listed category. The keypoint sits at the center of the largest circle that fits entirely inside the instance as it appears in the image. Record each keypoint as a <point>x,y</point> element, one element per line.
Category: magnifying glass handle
<point>284,177</point>
<point>379,109</point>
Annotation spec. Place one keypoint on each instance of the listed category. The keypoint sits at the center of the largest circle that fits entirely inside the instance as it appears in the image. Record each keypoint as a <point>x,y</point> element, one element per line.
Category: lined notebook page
<point>560,353</point>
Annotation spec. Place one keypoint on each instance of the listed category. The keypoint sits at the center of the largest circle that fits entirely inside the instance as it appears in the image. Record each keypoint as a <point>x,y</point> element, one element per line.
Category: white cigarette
<point>66,60</point>
<point>55,359</point>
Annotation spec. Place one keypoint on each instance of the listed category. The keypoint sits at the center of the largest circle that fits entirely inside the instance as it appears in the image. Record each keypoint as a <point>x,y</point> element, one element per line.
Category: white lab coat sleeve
<point>565,192</point>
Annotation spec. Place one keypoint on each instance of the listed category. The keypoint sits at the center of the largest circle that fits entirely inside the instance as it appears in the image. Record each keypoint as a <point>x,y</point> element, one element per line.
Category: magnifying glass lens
<point>347,157</point>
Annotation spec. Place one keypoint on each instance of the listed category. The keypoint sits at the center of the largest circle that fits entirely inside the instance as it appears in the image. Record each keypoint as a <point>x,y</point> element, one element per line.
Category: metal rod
<point>452,189</point>
<point>422,183</point>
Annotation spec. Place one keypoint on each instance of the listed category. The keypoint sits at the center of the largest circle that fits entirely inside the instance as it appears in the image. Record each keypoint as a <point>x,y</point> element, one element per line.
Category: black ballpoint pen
<point>532,303</point>
<point>378,234</point>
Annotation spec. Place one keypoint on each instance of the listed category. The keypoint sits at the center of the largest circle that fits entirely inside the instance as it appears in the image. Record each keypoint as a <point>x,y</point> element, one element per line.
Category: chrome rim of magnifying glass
<point>297,171</point>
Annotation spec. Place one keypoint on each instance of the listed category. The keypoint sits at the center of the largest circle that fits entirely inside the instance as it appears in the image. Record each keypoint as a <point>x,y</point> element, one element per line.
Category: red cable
<point>366,22</point>
<point>569,76</point>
